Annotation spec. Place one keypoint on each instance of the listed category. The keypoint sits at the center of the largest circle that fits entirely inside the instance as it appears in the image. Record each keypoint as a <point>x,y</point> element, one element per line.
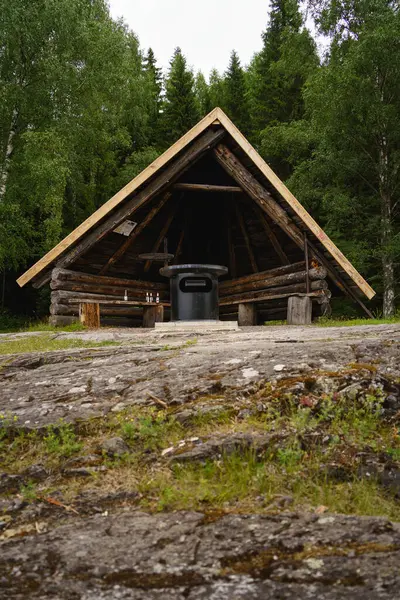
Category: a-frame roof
<point>319,241</point>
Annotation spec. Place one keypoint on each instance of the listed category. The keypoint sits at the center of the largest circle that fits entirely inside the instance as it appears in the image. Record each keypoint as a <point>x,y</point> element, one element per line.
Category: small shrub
<point>28,491</point>
<point>61,440</point>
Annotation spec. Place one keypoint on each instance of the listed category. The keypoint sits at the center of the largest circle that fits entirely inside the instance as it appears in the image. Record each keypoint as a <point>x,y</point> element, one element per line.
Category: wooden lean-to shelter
<point>216,201</point>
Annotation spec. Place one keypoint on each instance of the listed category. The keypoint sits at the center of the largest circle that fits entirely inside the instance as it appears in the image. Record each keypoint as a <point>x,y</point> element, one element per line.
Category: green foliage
<point>180,106</point>
<point>278,73</point>
<point>28,491</point>
<point>46,343</point>
<point>203,95</point>
<point>61,440</point>
<point>217,90</point>
<point>83,110</point>
<point>236,101</point>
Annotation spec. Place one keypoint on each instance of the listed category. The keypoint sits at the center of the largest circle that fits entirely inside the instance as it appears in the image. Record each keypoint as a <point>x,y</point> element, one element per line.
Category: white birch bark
<point>5,167</point>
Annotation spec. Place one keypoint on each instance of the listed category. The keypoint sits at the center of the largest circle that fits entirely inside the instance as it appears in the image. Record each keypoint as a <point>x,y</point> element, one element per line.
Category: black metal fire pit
<point>194,291</point>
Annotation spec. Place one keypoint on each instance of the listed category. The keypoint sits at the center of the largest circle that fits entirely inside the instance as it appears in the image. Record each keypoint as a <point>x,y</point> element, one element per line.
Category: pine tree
<point>236,94</point>
<point>180,106</point>
<point>278,73</point>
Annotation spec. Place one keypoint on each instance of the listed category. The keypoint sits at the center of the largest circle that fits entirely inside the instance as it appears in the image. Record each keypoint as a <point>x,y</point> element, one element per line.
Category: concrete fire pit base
<point>204,325</point>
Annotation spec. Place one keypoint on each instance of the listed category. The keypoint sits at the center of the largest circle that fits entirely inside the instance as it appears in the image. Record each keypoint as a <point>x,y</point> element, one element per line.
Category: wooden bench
<point>89,311</point>
<point>299,310</point>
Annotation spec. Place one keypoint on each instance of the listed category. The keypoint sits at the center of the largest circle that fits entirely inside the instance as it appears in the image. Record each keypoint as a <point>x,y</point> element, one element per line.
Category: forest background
<point>83,109</point>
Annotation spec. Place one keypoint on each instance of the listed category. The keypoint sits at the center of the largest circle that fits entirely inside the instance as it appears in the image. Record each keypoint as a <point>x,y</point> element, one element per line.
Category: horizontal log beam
<point>263,275</point>
<point>281,292</point>
<point>290,278</point>
<point>76,276</point>
<point>202,187</point>
<point>118,292</point>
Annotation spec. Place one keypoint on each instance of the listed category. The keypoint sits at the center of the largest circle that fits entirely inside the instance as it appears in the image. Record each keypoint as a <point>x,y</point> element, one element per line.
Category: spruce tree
<point>180,106</point>
<point>216,90</point>
<point>153,83</point>
<point>202,95</point>
<point>236,101</point>
<point>278,73</point>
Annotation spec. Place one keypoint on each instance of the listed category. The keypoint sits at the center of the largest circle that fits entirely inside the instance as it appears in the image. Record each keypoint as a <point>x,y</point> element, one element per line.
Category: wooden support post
<point>161,236</point>
<point>299,310</point>
<point>152,314</point>
<point>128,242</point>
<point>271,235</point>
<point>179,247</point>
<point>246,314</point>
<point>246,239</point>
<point>231,247</point>
<point>307,263</point>
<point>89,314</point>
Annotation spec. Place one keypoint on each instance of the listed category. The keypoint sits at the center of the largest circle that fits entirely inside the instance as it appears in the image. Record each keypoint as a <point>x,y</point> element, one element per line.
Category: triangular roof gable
<point>216,116</point>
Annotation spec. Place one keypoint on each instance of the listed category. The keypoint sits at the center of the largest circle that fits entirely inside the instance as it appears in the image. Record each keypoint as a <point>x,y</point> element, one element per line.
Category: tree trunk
<point>5,167</point>
<point>387,259</point>
<point>387,232</point>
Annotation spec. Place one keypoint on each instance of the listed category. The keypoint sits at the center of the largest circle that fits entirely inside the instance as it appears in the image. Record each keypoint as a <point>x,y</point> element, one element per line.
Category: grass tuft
<point>46,343</point>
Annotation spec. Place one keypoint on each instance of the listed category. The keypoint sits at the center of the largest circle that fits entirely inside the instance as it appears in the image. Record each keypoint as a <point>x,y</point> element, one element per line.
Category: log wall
<point>68,286</point>
<point>270,291</point>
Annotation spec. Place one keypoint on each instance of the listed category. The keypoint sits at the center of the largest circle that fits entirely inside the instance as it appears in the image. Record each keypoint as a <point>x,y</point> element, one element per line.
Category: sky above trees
<point>207,30</point>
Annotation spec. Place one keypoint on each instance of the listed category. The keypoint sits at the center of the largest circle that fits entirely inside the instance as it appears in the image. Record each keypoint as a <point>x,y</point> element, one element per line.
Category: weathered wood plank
<point>246,314</point>
<point>279,292</point>
<point>288,279</point>
<point>299,310</point>
<point>77,276</point>
<point>203,187</point>
<point>117,292</point>
<point>152,315</point>
<point>262,275</point>
<point>89,315</point>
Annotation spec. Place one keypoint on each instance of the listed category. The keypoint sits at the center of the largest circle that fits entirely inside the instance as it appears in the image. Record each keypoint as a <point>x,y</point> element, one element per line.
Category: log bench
<point>89,311</point>
<point>299,309</point>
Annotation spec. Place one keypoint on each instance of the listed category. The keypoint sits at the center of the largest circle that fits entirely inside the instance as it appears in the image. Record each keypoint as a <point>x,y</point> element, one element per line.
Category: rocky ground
<point>210,465</point>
